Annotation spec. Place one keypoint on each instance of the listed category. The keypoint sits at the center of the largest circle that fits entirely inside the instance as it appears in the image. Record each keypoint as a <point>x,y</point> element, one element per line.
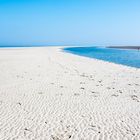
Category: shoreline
<point>76,52</point>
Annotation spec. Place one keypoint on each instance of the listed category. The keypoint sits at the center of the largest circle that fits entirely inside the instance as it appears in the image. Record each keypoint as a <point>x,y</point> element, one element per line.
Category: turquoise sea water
<point>119,56</point>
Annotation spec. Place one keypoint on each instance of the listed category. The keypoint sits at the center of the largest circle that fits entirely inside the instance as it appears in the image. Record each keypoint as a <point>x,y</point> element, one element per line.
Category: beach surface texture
<point>49,94</point>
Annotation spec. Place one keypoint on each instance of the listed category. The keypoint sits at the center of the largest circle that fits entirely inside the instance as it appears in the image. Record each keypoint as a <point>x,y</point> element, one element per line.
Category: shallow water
<point>119,56</point>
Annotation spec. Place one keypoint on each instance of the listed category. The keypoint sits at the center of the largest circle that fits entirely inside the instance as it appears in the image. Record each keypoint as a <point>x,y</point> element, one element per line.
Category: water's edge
<point>84,52</point>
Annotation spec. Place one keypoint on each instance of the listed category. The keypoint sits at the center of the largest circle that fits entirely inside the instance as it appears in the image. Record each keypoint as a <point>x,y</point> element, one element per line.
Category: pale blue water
<point>118,56</point>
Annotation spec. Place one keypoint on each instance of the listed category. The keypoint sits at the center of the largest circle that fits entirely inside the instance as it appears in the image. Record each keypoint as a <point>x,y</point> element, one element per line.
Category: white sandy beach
<point>48,94</point>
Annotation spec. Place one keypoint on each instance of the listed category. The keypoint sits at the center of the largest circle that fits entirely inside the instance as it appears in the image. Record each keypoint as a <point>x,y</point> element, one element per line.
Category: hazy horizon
<point>73,22</point>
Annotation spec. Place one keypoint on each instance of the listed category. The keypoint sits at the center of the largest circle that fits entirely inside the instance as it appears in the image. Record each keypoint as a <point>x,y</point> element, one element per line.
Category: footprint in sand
<point>82,88</point>
<point>137,85</point>
<point>115,95</point>
<point>82,82</point>
<point>119,91</point>
<point>76,94</point>
<point>93,92</point>
<point>19,103</point>
<point>135,98</point>
<point>108,88</point>
<point>40,92</point>
<point>52,83</point>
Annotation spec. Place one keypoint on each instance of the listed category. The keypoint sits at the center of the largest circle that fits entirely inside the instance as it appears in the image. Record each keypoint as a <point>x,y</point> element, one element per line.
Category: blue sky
<point>69,22</point>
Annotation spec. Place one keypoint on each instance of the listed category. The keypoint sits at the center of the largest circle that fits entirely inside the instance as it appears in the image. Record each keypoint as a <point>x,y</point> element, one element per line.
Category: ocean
<point>128,57</point>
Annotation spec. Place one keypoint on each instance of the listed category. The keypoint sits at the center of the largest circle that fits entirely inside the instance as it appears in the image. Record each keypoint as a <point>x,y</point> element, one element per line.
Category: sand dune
<point>47,94</point>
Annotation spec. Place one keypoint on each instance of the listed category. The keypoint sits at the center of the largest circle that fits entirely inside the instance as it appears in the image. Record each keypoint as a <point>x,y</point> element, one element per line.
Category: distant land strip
<point>126,47</point>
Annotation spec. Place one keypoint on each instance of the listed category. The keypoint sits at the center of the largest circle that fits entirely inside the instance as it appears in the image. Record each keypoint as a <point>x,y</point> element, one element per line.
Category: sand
<point>48,94</point>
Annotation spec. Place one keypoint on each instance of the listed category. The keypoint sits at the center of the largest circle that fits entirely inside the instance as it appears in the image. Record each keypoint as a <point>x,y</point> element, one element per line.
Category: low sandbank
<point>48,94</point>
